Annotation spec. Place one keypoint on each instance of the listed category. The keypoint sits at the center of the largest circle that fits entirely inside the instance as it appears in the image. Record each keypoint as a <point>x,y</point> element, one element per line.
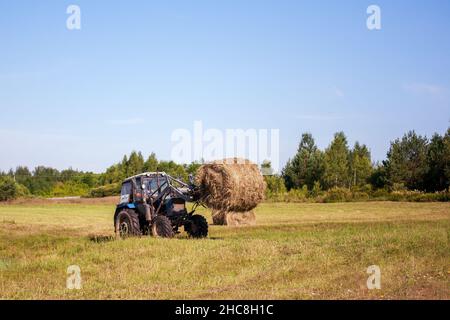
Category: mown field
<point>296,251</point>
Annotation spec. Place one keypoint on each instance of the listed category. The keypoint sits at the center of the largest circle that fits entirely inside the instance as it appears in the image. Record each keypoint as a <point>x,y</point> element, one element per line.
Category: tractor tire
<point>162,227</point>
<point>197,226</point>
<point>127,224</point>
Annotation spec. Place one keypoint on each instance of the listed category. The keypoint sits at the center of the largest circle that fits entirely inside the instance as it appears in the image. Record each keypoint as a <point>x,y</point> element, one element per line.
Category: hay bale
<point>225,218</point>
<point>231,185</point>
<point>219,217</point>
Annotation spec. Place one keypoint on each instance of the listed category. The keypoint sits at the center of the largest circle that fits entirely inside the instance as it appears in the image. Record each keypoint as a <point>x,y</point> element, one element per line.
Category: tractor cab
<point>157,200</point>
<point>142,187</point>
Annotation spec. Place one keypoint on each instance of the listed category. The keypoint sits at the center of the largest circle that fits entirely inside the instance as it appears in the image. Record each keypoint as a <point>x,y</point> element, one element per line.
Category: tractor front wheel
<point>161,227</point>
<point>127,224</point>
<point>197,226</point>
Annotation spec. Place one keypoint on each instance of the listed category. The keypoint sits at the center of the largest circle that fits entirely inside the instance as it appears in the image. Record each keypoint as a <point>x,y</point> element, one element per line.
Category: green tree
<point>173,169</point>
<point>10,189</point>
<point>306,167</point>
<point>89,179</point>
<point>123,167</point>
<point>113,174</point>
<point>407,161</point>
<point>360,165</point>
<point>151,164</point>
<point>23,176</point>
<point>435,177</point>
<point>44,179</point>
<point>192,168</point>
<point>135,164</point>
<point>69,175</point>
<point>275,185</point>
<point>379,179</point>
<point>336,162</point>
<point>446,157</point>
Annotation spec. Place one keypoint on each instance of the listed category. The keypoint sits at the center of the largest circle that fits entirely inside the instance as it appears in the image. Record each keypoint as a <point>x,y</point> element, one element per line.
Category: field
<point>296,251</point>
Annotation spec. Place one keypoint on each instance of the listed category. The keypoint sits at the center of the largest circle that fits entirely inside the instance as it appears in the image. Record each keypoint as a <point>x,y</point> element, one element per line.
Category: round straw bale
<point>225,218</point>
<point>231,185</point>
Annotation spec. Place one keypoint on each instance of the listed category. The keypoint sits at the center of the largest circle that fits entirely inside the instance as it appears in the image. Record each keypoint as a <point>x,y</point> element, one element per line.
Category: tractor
<point>154,203</point>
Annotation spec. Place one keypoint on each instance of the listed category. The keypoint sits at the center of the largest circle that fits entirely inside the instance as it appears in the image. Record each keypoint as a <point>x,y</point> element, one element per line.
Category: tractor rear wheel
<point>197,226</point>
<point>162,227</point>
<point>127,224</point>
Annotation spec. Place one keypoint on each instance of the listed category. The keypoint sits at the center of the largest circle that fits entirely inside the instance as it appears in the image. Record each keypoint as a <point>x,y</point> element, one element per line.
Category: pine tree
<point>435,177</point>
<point>360,165</point>
<point>307,165</point>
<point>336,162</point>
<point>446,158</point>
<point>151,164</point>
<point>407,161</point>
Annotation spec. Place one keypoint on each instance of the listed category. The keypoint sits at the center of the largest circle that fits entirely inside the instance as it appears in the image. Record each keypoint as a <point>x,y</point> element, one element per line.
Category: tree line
<point>413,162</point>
<point>49,182</point>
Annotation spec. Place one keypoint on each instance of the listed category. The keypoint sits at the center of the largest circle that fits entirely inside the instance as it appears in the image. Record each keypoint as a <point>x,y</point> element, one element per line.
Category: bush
<point>398,187</point>
<point>10,190</point>
<point>275,186</point>
<point>297,195</point>
<point>367,188</point>
<point>380,194</point>
<point>108,190</point>
<point>338,194</point>
<point>316,190</point>
<point>70,188</point>
<point>418,196</point>
<point>360,196</point>
<point>22,191</point>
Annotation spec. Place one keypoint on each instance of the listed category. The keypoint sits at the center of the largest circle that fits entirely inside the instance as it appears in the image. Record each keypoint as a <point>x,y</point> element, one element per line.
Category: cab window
<point>126,189</point>
<point>153,185</point>
<point>162,183</point>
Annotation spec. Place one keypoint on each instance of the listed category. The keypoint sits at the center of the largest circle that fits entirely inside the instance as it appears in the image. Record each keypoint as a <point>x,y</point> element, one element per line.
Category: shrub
<point>418,196</point>
<point>275,196</point>
<point>360,196</point>
<point>316,190</point>
<point>398,187</point>
<point>275,185</point>
<point>297,195</point>
<point>108,190</point>
<point>70,188</point>
<point>22,191</point>
<point>338,194</point>
<point>10,190</point>
<point>380,194</point>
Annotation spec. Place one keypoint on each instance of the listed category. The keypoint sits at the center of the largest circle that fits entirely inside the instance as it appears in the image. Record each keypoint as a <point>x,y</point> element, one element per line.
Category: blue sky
<point>137,70</point>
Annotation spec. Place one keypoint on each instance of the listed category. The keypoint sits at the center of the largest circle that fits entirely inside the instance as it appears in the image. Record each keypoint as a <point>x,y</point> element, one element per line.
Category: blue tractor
<point>154,203</point>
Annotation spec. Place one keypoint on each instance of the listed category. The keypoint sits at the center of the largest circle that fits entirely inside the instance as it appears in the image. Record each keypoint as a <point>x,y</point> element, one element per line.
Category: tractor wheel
<point>197,226</point>
<point>162,227</point>
<point>127,224</point>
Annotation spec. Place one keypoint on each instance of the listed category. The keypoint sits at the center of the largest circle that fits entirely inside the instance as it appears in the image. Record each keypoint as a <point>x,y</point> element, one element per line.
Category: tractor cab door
<point>139,190</point>
<point>125,192</point>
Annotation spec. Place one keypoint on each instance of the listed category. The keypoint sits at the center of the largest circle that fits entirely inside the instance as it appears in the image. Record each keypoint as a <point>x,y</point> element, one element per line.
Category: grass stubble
<point>296,251</point>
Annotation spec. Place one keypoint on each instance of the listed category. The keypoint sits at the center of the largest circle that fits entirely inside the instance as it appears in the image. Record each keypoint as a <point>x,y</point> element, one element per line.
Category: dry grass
<point>296,251</point>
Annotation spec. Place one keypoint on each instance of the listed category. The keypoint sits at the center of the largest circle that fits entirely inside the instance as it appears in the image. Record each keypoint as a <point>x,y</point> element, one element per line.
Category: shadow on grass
<point>109,238</point>
<point>198,239</point>
<point>101,238</point>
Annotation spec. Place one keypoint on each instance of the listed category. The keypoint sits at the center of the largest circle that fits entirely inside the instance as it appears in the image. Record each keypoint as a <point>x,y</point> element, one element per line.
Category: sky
<point>138,70</point>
